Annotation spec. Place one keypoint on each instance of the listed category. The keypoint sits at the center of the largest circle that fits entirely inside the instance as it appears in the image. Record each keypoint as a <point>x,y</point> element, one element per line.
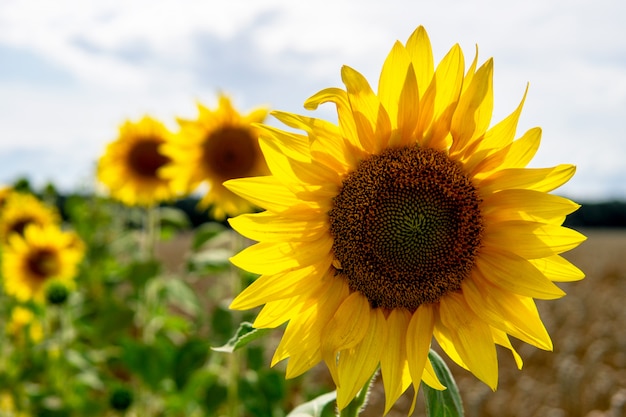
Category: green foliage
<point>317,407</point>
<point>135,337</point>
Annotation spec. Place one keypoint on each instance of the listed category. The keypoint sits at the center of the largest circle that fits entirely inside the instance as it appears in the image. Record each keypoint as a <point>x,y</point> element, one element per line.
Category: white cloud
<point>126,58</point>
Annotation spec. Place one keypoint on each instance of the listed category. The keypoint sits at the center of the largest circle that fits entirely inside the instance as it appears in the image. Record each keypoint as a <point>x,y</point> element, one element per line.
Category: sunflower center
<point>43,263</point>
<point>407,227</point>
<point>230,152</point>
<point>145,159</point>
<point>20,225</point>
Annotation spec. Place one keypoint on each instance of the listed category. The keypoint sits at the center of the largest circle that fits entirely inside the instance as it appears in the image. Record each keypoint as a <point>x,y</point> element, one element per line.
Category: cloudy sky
<point>71,71</point>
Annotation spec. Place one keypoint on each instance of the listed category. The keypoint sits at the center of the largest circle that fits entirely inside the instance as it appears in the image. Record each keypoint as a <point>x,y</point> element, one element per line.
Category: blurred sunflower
<point>23,319</point>
<point>20,210</point>
<point>130,166</point>
<point>4,194</point>
<point>219,145</point>
<point>43,255</point>
<point>410,219</point>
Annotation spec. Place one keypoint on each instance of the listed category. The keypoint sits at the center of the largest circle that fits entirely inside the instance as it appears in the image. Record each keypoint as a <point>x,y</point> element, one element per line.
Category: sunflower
<point>410,219</point>
<point>20,210</point>
<point>5,191</point>
<point>219,145</point>
<point>43,255</point>
<point>23,319</point>
<point>130,166</point>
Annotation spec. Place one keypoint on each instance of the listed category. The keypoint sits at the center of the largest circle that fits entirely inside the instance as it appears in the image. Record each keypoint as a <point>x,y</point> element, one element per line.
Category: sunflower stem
<point>234,361</point>
<point>151,231</point>
<point>359,402</point>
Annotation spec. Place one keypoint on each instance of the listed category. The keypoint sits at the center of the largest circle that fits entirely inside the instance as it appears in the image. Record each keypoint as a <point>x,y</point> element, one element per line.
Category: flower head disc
<point>406,227</point>
<point>220,145</point>
<point>131,164</point>
<point>410,219</point>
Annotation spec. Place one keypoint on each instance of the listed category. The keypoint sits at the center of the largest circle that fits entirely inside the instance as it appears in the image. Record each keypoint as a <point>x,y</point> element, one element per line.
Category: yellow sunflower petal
<point>275,313</point>
<point>418,337</point>
<point>340,98</point>
<point>270,227</point>
<point>337,155</point>
<point>503,132</point>
<point>267,193</point>
<point>540,179</point>
<point>506,311</point>
<point>516,274</point>
<point>419,48</point>
<point>515,155</point>
<point>502,339</point>
<point>557,269</point>
<point>393,362</point>
<point>443,93</point>
<point>301,341</point>
<point>473,112</point>
<point>471,337</point>
<point>527,205</point>
<point>297,145</point>
<point>357,365</point>
<point>274,287</point>
<point>531,240</point>
<point>273,258</point>
<point>345,330</point>
<point>429,377</point>
<point>392,80</point>
<point>408,111</point>
<point>371,120</point>
<point>309,172</point>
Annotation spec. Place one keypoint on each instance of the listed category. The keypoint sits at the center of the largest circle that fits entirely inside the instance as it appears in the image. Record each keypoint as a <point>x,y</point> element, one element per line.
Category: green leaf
<point>189,358</point>
<point>315,407</point>
<point>174,217</point>
<point>222,324</point>
<point>214,396</point>
<point>182,296</point>
<point>140,272</point>
<point>245,334</point>
<point>209,262</point>
<point>446,403</point>
<point>151,362</point>
<point>206,232</point>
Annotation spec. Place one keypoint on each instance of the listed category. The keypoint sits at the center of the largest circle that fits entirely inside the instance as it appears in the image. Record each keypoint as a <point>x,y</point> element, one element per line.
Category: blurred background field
<point>585,375</point>
<point>136,336</point>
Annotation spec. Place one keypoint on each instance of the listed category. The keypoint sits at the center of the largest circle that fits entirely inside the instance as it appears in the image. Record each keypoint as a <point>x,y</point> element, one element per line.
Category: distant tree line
<point>606,214</point>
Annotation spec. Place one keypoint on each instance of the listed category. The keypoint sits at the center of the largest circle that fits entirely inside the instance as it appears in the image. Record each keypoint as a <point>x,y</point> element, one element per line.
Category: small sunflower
<point>219,145</point>
<point>410,219</point>
<point>5,191</point>
<point>130,166</point>
<point>23,319</point>
<point>43,255</point>
<point>22,209</point>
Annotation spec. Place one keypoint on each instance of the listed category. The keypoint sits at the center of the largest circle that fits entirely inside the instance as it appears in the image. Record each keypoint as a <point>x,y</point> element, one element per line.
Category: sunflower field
<point>125,332</point>
<point>409,254</point>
